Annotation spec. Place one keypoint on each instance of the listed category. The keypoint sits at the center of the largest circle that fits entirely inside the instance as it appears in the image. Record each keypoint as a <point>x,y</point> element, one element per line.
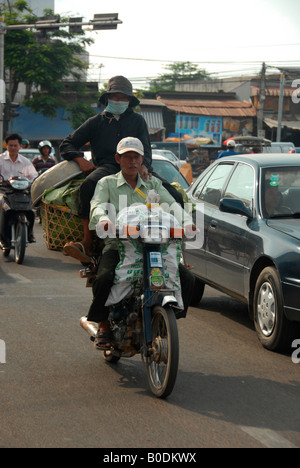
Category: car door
<point>205,196</point>
<point>228,235</point>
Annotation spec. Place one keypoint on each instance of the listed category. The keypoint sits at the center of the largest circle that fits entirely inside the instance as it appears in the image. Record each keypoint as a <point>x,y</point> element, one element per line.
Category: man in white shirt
<point>13,164</point>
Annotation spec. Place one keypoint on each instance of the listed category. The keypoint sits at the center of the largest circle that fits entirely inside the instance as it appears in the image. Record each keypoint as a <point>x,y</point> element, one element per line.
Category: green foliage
<point>41,59</point>
<point>178,72</point>
<point>79,113</point>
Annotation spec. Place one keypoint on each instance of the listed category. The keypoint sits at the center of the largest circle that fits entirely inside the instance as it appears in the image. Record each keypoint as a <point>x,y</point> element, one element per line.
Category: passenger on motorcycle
<point>44,162</point>
<point>103,132</point>
<point>128,183</point>
<point>13,164</point>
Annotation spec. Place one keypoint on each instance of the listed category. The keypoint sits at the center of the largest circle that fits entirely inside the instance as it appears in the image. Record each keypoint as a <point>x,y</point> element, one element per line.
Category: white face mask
<point>117,107</point>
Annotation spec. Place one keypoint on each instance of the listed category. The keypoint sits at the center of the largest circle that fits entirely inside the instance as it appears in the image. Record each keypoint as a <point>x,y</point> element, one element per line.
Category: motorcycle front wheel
<point>162,365</point>
<point>20,243</point>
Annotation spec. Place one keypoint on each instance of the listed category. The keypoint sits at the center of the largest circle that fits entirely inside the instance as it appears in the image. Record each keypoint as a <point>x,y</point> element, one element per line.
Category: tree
<point>41,60</point>
<point>178,72</point>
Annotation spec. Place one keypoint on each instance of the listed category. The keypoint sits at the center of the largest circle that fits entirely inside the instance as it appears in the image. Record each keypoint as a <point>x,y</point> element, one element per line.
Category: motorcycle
<point>16,202</point>
<point>145,322</point>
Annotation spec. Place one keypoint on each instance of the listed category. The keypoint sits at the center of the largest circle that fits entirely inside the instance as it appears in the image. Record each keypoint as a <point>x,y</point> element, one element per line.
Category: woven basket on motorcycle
<point>60,225</point>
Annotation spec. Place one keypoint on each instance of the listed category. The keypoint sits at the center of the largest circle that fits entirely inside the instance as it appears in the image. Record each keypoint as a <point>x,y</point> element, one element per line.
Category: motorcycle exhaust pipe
<point>89,327</point>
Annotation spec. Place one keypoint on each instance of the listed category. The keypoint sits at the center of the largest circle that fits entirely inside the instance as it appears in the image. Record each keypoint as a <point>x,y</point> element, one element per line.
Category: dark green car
<point>250,206</point>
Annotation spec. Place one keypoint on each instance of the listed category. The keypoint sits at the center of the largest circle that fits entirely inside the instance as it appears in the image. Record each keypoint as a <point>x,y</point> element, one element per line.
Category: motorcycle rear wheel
<point>162,366</point>
<point>20,244</point>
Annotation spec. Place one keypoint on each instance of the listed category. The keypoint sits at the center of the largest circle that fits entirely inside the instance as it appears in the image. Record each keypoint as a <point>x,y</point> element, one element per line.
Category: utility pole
<point>262,98</point>
<point>2,81</point>
<point>280,106</point>
<point>100,22</point>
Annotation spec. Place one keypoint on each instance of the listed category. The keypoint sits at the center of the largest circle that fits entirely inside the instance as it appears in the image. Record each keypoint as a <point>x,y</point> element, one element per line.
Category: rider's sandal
<point>76,250</point>
<point>103,341</point>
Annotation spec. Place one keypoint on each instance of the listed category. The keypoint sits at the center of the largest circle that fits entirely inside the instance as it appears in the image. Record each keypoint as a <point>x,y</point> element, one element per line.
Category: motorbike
<point>16,202</point>
<point>145,323</point>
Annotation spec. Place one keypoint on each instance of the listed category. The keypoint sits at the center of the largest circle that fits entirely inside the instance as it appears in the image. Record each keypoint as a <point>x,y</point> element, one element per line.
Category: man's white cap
<point>130,144</point>
<point>231,144</point>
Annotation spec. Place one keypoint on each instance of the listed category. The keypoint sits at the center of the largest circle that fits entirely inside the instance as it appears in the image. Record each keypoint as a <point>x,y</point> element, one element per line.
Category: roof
<point>38,127</point>
<point>266,159</point>
<point>223,108</point>
<point>272,123</point>
<point>154,120</point>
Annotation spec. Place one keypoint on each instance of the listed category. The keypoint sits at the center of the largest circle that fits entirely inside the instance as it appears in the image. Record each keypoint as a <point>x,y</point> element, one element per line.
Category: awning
<point>292,124</point>
<point>154,121</point>
<point>274,91</point>
<point>226,108</point>
<point>36,127</point>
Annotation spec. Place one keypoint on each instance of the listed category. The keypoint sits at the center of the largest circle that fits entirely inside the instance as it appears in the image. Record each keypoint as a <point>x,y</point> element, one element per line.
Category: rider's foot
<point>103,337</point>
<point>31,238</point>
<point>77,250</point>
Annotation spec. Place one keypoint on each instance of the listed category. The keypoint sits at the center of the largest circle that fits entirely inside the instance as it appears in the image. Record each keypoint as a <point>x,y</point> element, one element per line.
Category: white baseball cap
<point>130,144</point>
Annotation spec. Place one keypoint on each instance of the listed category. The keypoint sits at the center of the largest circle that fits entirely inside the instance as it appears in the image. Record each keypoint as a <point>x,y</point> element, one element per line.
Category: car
<point>179,149</point>
<point>170,156</point>
<point>280,147</point>
<point>30,153</point>
<point>250,207</point>
<point>166,169</point>
<point>163,167</point>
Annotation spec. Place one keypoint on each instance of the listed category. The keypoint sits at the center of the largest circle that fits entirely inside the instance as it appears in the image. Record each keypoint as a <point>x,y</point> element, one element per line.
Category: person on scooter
<point>103,132</point>
<point>13,164</point>
<point>44,162</point>
<point>128,182</point>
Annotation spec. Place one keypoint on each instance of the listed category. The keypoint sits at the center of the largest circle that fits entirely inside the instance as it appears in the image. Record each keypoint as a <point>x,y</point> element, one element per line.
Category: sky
<point>224,37</point>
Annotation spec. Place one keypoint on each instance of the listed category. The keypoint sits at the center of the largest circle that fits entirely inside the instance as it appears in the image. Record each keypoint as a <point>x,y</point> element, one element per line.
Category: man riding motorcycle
<point>13,164</point>
<point>126,183</point>
<point>44,162</point>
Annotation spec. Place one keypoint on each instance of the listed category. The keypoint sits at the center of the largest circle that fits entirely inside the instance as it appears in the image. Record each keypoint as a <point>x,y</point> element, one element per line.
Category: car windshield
<point>280,192</point>
<point>31,155</point>
<point>167,154</point>
<point>168,171</point>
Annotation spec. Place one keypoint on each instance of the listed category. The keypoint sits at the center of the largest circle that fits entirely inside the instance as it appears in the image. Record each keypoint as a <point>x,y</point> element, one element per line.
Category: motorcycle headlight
<point>19,184</point>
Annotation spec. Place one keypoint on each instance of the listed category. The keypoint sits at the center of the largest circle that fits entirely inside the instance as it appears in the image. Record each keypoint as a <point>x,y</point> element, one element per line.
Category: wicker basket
<point>60,225</point>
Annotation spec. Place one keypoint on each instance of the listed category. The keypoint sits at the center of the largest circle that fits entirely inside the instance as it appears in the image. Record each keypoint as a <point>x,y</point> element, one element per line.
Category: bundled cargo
<point>56,193</point>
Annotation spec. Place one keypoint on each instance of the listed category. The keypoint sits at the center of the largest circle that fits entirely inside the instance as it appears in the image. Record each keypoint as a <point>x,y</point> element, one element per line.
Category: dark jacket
<point>104,132</point>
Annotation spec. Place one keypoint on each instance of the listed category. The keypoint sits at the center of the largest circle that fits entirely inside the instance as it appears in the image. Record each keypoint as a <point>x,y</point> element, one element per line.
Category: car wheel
<point>272,327</point>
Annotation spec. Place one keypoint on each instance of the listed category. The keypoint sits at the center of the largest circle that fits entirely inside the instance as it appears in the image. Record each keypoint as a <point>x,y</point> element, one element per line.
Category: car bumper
<point>291,295</point>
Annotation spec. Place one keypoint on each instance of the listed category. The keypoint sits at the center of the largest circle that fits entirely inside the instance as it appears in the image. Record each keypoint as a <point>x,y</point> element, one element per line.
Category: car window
<point>168,171</point>
<point>198,187</point>
<point>211,192</point>
<point>280,192</point>
<point>241,184</point>
<point>31,155</point>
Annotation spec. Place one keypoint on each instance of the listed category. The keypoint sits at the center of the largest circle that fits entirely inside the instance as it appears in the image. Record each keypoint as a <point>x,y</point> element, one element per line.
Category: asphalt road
<point>56,391</point>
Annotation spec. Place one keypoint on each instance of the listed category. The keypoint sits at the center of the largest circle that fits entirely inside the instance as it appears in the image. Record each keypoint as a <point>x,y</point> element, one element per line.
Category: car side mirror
<point>235,206</point>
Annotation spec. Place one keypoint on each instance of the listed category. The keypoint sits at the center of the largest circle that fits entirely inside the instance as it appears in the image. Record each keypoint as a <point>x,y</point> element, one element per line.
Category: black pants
<point>5,227</point>
<point>105,278</point>
<point>88,187</point>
